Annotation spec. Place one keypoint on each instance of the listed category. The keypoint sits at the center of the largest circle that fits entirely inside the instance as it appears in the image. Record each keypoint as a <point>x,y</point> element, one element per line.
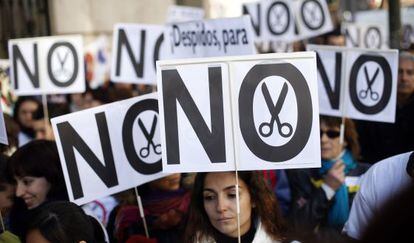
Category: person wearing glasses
<point>321,197</point>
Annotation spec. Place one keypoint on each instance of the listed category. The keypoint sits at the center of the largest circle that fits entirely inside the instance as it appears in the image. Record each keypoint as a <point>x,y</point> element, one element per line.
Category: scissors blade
<point>268,98</point>
<point>281,99</point>
<point>143,129</point>
<point>370,81</point>
<point>153,126</point>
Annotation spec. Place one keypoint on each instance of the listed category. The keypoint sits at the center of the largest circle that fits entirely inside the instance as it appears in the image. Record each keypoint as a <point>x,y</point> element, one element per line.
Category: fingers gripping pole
<point>141,212</point>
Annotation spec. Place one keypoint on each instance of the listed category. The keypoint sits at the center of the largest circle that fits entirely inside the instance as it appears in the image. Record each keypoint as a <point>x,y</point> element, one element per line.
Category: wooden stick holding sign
<point>2,222</point>
<point>141,212</point>
<point>45,112</point>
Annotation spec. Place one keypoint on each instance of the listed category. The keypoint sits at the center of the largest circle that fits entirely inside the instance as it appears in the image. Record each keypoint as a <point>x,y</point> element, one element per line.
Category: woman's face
<point>219,196</point>
<point>33,190</point>
<point>330,142</point>
<point>25,113</point>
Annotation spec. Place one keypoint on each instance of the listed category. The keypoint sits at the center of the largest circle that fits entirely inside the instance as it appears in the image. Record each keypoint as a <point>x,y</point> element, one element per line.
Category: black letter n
<point>138,66</point>
<point>71,140</point>
<point>174,90</point>
<point>17,55</point>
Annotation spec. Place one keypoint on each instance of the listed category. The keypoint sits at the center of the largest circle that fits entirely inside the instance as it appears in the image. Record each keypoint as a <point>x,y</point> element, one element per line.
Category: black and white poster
<point>357,83</point>
<point>259,111</point>
<point>47,65</point>
<point>135,49</point>
<point>110,148</point>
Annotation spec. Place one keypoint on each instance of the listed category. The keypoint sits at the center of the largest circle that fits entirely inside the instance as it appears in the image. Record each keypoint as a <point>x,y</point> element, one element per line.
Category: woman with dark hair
<point>23,111</point>
<point>63,222</point>
<point>213,210</point>
<point>39,180</point>
<point>37,170</point>
<point>322,197</point>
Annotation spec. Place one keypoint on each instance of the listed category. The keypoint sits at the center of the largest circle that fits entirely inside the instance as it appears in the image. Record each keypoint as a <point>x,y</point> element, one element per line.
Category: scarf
<point>339,211</point>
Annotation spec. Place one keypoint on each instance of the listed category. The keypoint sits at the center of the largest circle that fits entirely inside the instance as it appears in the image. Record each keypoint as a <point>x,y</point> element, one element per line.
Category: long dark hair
<point>40,158</point>
<point>267,208</point>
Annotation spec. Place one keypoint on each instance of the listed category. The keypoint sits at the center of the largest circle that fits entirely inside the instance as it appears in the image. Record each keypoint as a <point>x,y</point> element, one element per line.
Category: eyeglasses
<point>331,133</point>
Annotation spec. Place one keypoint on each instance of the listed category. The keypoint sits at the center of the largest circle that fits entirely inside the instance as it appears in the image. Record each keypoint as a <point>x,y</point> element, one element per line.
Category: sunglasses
<point>331,133</point>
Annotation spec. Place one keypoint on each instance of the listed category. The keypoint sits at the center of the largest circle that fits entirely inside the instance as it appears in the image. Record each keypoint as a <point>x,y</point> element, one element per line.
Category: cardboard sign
<point>259,111</point>
<point>209,38</point>
<point>357,83</point>
<point>372,36</point>
<point>110,148</point>
<point>276,19</point>
<point>47,65</point>
<point>3,132</point>
<point>178,13</point>
<point>313,18</point>
<point>135,49</point>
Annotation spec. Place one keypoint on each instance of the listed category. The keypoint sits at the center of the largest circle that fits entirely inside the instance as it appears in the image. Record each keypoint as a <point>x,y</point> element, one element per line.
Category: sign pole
<point>141,212</point>
<point>2,223</point>
<point>235,166</point>
<point>45,112</point>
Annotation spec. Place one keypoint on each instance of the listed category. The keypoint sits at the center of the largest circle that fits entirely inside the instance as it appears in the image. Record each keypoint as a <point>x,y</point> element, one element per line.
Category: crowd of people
<point>346,200</point>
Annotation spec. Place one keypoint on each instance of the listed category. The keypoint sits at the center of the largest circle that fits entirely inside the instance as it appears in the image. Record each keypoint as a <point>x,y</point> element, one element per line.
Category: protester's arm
<point>362,208</point>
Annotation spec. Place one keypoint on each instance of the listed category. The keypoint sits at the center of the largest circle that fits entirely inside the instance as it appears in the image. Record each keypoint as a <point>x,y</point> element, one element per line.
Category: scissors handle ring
<point>363,94</point>
<point>374,95</point>
<point>144,152</point>
<point>262,129</point>
<point>289,128</point>
<point>156,150</point>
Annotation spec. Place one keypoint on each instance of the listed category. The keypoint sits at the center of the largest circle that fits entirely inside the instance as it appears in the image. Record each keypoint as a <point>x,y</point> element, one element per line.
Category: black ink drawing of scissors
<point>364,93</point>
<point>145,151</point>
<point>266,128</point>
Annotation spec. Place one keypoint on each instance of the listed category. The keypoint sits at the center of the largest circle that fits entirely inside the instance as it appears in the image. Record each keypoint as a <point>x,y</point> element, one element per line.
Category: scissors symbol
<point>266,128</point>
<point>145,151</point>
<point>364,93</point>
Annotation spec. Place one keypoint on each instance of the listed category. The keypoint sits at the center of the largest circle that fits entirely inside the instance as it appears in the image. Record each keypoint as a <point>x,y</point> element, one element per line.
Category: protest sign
<point>373,36</point>
<point>135,49</point>
<point>110,148</point>
<point>47,65</point>
<point>259,111</point>
<point>313,18</point>
<point>357,83</point>
<point>275,20</point>
<point>209,38</point>
<point>3,132</point>
<point>178,13</point>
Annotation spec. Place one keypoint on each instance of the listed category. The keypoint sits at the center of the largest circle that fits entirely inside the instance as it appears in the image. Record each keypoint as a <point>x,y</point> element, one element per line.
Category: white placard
<point>210,38</point>
<point>3,132</point>
<point>110,148</point>
<point>47,65</point>
<point>313,18</point>
<point>212,111</point>
<point>135,49</point>
<point>373,36</point>
<point>178,13</point>
<point>363,81</point>
<point>372,90</point>
<point>275,20</point>
<point>272,20</point>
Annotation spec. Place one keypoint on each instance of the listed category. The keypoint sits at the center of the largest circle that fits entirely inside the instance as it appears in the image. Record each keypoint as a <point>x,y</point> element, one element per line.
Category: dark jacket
<point>310,206</point>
